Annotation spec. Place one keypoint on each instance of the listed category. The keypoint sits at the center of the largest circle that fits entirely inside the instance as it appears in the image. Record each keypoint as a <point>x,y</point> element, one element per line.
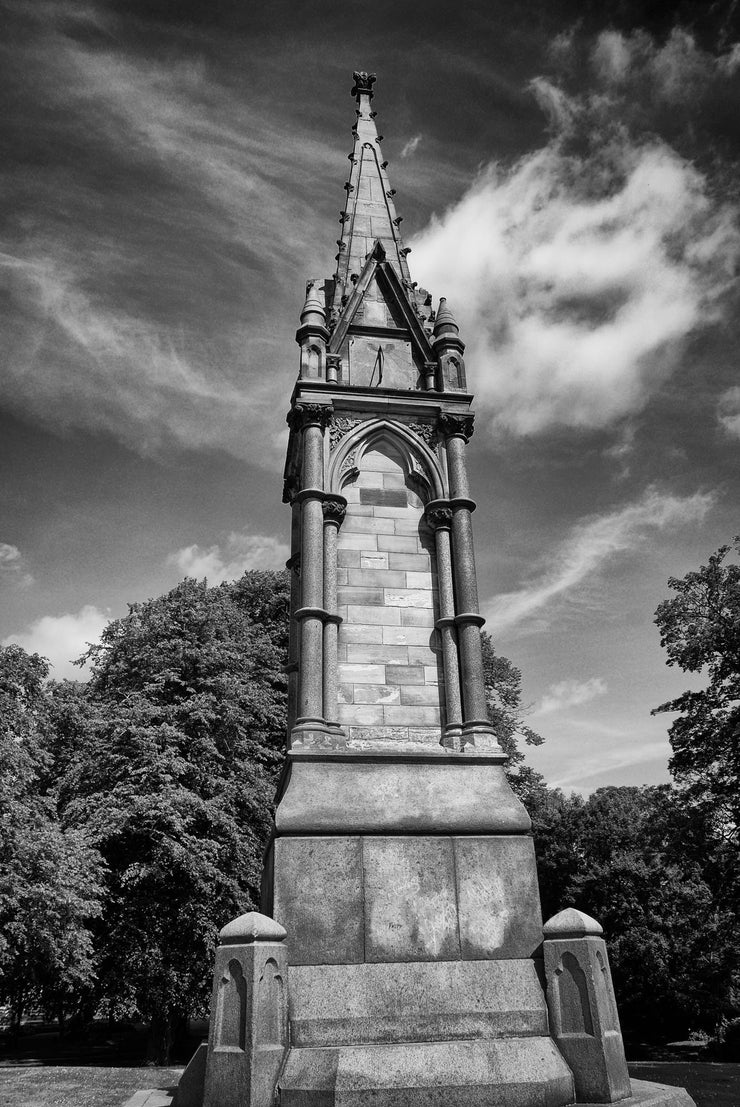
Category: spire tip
<point>363,84</point>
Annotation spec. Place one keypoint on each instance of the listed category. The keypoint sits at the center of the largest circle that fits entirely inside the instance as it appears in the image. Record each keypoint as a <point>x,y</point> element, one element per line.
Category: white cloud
<point>606,763</point>
<point>411,146</point>
<point>591,545</point>
<point>12,570</point>
<point>62,639</point>
<point>576,278</point>
<point>238,553</point>
<point>728,411</point>
<point>570,693</point>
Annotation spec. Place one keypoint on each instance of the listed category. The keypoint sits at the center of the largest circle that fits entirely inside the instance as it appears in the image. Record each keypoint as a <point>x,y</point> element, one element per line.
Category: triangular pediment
<point>379,303</point>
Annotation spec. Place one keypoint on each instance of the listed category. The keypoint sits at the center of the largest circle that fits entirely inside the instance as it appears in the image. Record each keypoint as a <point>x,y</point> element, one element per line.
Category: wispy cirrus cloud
<point>62,639</point>
<point>570,693</point>
<point>13,568</point>
<point>728,411</point>
<point>411,146</point>
<point>578,274</point>
<point>237,554</point>
<point>590,547</point>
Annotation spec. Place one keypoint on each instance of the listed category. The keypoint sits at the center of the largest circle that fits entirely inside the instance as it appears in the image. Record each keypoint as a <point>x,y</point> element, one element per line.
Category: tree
<point>700,629</point>
<point>175,785</point>
<point>50,876</point>
<point>503,684</point>
<point>635,859</point>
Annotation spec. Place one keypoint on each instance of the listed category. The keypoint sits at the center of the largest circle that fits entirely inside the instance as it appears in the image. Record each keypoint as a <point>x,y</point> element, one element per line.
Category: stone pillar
<point>477,730</point>
<point>293,565</point>
<point>582,1007</point>
<point>439,515</point>
<point>310,727</point>
<point>248,1036</point>
<point>334,508</point>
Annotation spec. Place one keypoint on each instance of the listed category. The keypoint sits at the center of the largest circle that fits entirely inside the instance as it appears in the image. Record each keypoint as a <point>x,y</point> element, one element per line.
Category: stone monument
<point>400,959</point>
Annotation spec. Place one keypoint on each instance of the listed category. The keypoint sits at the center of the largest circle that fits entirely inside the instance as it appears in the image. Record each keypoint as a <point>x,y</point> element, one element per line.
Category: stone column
<point>582,1007</point>
<point>439,515</point>
<point>310,727</point>
<point>477,730</point>
<point>334,508</point>
<point>293,565</point>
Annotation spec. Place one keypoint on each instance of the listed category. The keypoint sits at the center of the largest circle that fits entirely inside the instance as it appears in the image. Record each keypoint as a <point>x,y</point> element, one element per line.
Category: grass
<point>53,1086</point>
<point>710,1084</point>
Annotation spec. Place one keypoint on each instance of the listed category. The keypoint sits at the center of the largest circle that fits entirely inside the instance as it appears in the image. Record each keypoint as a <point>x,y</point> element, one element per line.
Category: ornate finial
<point>363,83</point>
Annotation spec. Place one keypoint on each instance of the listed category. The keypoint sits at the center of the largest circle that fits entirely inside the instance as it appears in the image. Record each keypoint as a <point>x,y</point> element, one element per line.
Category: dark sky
<point>172,174</point>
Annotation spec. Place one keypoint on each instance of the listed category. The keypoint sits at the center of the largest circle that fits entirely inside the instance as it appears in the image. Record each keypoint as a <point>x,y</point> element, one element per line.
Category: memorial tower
<point>400,960</point>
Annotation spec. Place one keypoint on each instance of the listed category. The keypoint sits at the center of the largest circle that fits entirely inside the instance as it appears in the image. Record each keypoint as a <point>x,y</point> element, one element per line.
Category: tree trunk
<point>161,1036</point>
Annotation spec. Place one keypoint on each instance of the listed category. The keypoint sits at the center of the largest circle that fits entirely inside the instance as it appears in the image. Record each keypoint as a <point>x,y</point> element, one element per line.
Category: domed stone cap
<point>251,927</point>
<point>571,923</point>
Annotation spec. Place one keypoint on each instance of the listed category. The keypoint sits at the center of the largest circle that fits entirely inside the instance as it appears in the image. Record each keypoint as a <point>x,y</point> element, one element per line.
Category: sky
<point>567,173</point>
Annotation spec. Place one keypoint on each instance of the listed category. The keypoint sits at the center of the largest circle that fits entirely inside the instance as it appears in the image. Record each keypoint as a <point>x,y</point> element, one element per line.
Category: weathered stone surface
<point>648,1094</point>
<point>251,927</point>
<point>409,900</point>
<point>248,1035</point>
<point>498,897</point>
<point>571,923</point>
<point>434,792</point>
<point>191,1087</point>
<point>583,1012</point>
<point>318,897</point>
<point>423,1001</point>
<point>511,1072</point>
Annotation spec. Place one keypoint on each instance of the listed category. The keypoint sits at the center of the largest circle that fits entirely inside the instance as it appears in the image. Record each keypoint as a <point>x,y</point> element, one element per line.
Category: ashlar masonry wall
<point>390,678</point>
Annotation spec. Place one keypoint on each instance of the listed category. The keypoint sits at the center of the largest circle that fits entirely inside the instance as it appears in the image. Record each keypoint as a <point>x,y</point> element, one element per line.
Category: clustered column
<point>476,728</point>
<point>334,508</point>
<point>439,515</point>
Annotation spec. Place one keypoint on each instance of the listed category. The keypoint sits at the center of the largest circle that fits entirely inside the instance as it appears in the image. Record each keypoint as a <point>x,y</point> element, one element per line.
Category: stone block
<point>361,633</point>
<point>387,578</point>
<point>354,524</point>
<point>374,461</point>
<point>394,510</point>
<point>318,898</point>
<point>417,617</point>
<point>410,716</point>
<point>503,1072</point>
<point>370,613</point>
<point>361,674</point>
<point>384,498</point>
<point>408,527</point>
<point>373,561</point>
<point>376,694</point>
<point>248,1036</point>
<point>432,674</point>
<point>416,562</point>
<point>395,543</point>
<point>359,714</point>
<point>362,542</point>
<point>583,1010</point>
<point>365,597</point>
<point>410,908</point>
<point>408,635</point>
<point>191,1087</point>
<point>408,597</point>
<point>418,580</point>
<point>433,792</point>
<point>342,577</point>
<point>498,897</point>
<point>413,695</point>
<point>404,674</point>
<point>377,653</point>
<point>414,1001</point>
<point>394,480</point>
<point>424,655</point>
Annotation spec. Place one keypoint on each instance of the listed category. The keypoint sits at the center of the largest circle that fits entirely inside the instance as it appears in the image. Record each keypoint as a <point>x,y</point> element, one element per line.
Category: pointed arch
<point>421,465</point>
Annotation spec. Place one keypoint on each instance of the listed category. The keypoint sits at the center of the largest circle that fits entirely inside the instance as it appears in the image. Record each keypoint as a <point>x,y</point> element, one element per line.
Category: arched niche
<point>421,465</point>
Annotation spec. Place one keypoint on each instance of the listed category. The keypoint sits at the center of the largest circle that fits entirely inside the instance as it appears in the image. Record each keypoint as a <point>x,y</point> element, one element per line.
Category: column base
<point>480,733</point>
<point>316,734</point>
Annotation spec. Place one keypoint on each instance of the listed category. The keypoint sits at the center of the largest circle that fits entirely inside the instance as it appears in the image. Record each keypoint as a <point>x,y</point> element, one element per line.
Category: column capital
<point>456,426</point>
<point>309,415</point>
<point>334,508</point>
<point>438,513</point>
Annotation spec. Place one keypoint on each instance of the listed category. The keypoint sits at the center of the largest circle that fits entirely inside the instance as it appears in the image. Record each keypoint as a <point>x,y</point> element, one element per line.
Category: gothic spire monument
<point>400,960</point>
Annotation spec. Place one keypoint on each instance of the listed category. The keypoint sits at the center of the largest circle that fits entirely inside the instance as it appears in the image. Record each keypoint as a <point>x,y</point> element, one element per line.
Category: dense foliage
<point>134,810</point>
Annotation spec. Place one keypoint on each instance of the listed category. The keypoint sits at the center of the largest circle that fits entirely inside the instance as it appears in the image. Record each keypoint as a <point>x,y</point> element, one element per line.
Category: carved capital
<point>334,509</point>
<point>460,425</point>
<point>424,431</point>
<point>438,513</point>
<point>363,83</point>
<point>308,415</point>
